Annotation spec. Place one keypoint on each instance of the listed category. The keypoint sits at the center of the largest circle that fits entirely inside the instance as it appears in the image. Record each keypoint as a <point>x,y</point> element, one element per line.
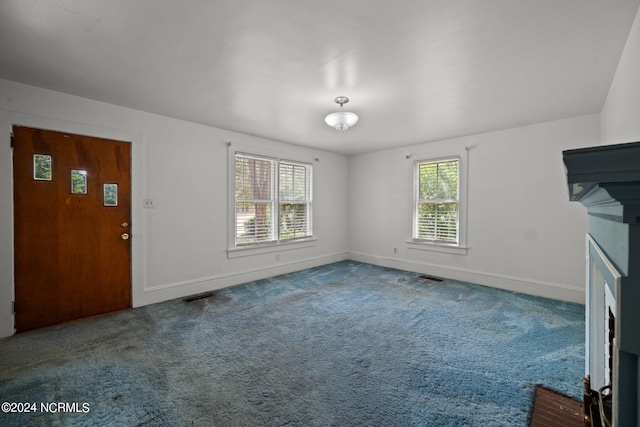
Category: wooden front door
<point>72,220</point>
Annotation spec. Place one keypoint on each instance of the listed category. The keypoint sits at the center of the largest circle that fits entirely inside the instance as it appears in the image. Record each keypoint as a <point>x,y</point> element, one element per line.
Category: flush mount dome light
<point>342,120</point>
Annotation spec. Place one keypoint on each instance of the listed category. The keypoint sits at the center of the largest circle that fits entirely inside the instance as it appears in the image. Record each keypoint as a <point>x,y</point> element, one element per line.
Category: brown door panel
<point>70,259</point>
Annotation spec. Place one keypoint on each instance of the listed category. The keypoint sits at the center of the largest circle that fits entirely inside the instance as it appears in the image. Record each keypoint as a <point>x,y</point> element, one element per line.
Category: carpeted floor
<point>346,344</point>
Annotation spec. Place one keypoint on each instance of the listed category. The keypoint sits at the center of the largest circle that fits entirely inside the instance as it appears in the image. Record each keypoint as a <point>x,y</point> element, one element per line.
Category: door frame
<point>7,277</point>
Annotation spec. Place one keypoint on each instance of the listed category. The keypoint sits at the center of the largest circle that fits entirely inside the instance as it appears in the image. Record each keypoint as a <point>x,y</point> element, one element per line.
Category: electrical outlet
<point>395,251</point>
<point>149,203</point>
<point>277,257</point>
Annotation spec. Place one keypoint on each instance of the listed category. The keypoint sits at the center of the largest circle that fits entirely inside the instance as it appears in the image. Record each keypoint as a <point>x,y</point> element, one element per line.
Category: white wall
<point>523,233</point>
<point>179,248</point>
<point>621,112</point>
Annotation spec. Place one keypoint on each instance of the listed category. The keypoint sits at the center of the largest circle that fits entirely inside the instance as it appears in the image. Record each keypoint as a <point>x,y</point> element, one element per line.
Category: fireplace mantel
<point>606,180</point>
<point>613,168</point>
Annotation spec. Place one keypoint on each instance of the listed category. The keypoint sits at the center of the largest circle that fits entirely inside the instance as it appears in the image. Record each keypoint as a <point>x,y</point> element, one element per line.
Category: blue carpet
<point>346,344</point>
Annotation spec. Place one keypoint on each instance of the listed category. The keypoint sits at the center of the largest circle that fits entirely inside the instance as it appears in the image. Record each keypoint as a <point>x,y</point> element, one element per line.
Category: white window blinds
<point>436,201</point>
<point>295,200</point>
<point>255,181</point>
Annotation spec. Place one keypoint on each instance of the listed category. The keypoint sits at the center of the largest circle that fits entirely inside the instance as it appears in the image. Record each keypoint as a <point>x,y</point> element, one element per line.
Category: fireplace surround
<point>606,180</point>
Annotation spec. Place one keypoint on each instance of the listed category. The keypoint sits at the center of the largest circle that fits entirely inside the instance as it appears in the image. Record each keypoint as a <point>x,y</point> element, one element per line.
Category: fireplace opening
<point>602,403</point>
<point>605,395</point>
<point>603,281</point>
<point>598,404</point>
<point>611,333</point>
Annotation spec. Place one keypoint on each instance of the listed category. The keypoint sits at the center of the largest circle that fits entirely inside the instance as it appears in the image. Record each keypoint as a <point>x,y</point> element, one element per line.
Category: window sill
<point>437,247</point>
<point>250,250</point>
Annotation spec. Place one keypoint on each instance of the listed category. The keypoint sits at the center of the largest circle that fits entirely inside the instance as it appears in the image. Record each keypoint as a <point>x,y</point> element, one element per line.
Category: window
<point>272,200</point>
<point>436,210</point>
<point>295,201</point>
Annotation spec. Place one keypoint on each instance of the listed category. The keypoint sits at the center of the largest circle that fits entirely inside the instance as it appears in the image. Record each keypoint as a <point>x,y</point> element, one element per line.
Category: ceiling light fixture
<point>342,120</point>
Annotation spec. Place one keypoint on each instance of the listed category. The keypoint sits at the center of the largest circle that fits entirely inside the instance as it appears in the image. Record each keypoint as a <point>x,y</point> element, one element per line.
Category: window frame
<point>276,243</point>
<point>459,248</point>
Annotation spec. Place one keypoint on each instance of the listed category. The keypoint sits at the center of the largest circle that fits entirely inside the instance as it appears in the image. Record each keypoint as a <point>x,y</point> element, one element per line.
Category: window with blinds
<point>295,200</point>
<point>272,200</point>
<point>436,201</point>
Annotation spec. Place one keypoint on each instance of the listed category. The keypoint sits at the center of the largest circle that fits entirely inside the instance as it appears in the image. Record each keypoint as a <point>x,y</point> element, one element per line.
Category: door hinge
<point>13,138</point>
<point>13,307</point>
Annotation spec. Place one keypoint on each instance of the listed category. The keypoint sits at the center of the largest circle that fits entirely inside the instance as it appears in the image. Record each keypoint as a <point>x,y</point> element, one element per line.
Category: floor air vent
<point>433,279</point>
<point>198,297</point>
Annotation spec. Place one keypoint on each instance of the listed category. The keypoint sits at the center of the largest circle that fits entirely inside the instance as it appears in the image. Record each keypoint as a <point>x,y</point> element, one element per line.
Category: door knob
<point>124,236</point>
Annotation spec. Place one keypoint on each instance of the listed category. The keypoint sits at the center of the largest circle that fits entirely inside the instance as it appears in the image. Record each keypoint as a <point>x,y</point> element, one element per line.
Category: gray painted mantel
<point>606,180</point>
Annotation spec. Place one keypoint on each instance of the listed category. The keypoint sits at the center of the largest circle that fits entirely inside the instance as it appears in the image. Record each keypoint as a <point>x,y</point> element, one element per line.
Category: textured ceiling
<point>415,71</point>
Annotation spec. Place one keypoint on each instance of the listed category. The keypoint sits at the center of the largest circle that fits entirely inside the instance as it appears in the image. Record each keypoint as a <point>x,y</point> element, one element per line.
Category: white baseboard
<point>185,288</point>
<point>6,327</point>
<point>517,284</point>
